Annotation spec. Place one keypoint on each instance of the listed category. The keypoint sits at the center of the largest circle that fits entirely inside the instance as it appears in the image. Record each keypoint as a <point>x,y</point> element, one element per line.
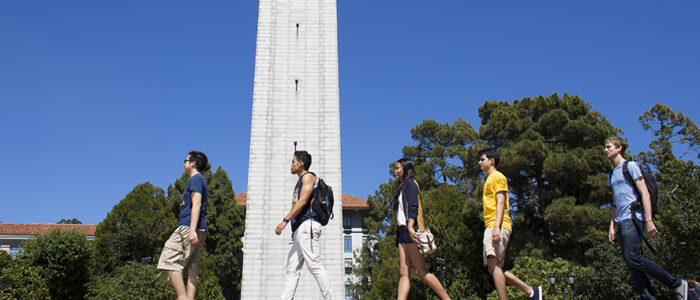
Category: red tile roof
<point>34,229</point>
<point>348,201</point>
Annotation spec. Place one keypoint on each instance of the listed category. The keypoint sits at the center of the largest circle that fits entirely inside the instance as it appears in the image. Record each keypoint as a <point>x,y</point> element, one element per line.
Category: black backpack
<point>652,187</point>
<point>322,202</point>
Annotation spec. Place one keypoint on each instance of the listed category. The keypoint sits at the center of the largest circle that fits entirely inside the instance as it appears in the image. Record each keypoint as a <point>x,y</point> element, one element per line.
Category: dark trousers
<point>638,265</point>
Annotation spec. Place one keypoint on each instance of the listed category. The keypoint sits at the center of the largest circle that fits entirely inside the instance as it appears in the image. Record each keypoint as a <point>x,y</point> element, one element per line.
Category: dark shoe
<point>536,293</point>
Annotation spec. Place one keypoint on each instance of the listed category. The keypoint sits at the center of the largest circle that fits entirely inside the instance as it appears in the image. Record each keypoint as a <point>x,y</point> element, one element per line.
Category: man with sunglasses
<point>180,256</point>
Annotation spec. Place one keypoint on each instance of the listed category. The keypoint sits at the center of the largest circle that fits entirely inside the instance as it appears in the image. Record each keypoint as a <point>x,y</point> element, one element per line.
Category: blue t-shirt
<point>624,192</point>
<point>199,185</point>
<point>306,213</point>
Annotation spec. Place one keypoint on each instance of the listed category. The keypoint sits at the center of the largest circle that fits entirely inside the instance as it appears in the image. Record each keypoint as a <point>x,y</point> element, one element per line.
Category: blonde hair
<point>617,141</point>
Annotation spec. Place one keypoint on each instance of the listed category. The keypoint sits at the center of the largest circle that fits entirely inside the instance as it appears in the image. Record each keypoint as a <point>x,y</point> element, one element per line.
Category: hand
<point>496,235</point>
<point>193,238</point>
<point>611,235</point>
<point>651,229</point>
<point>414,236</point>
<point>280,227</point>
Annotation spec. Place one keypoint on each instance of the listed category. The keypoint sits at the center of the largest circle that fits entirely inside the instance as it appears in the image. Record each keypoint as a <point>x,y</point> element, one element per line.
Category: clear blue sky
<point>99,96</point>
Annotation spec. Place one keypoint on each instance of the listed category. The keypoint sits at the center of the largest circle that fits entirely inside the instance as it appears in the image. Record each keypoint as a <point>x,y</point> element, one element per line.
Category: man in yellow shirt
<point>498,228</point>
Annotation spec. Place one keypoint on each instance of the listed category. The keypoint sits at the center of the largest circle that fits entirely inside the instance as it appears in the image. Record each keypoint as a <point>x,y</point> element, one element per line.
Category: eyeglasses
<point>186,160</point>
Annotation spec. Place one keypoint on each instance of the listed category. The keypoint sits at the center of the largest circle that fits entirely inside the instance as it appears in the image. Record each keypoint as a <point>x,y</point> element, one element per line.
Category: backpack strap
<point>311,231</point>
<point>630,180</point>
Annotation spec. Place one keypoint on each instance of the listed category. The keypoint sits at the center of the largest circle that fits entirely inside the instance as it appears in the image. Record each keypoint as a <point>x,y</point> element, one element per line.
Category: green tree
<point>552,155</point>
<point>131,280</point>
<point>64,258</point>
<point>5,260</point>
<point>69,221</point>
<point>606,276</point>
<point>679,200</point>
<point>441,151</point>
<point>454,218</point>
<point>135,229</point>
<point>209,287</point>
<point>377,265</point>
<point>226,223</point>
<point>534,271</point>
<point>669,128</point>
<point>20,280</point>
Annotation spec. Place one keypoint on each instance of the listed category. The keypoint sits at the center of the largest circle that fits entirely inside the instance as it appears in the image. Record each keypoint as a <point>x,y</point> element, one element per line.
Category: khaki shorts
<point>179,255</point>
<point>497,250</point>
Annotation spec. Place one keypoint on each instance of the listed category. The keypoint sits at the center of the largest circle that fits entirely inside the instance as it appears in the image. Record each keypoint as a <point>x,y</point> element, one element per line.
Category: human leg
<point>638,265</point>
<point>418,263</point>
<point>192,266</point>
<point>404,269</point>
<point>295,262</point>
<point>494,255</point>
<point>499,280</point>
<point>309,234</point>
<point>178,284</point>
<point>173,259</point>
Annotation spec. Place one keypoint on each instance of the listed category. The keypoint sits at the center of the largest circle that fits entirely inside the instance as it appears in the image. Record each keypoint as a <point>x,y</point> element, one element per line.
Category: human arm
<point>611,232</point>
<point>194,218</point>
<point>500,203</point>
<point>307,189</point>
<point>646,203</point>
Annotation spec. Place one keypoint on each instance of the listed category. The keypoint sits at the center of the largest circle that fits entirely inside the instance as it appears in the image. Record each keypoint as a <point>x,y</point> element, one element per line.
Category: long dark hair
<point>409,170</point>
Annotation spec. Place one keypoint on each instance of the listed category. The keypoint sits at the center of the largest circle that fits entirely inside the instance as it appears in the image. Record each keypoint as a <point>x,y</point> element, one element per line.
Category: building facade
<point>12,235</point>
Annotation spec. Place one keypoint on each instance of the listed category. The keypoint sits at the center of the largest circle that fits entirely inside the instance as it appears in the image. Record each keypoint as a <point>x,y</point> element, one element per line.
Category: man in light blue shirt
<point>626,233</point>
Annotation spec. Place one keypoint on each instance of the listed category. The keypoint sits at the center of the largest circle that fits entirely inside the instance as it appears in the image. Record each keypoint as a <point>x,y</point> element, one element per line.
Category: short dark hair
<point>617,141</point>
<point>304,157</point>
<point>201,162</point>
<point>491,153</point>
<point>692,277</point>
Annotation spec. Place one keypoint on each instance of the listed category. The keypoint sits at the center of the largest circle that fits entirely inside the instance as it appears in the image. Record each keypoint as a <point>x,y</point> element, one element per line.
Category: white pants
<point>304,248</point>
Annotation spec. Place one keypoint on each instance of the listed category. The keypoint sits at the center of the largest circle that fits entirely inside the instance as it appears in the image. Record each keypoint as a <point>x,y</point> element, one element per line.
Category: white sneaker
<point>682,290</point>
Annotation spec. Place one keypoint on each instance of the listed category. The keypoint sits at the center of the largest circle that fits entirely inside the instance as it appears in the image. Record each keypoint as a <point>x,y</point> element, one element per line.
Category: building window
<point>348,266</point>
<point>347,221</point>
<point>348,244</point>
<point>348,290</point>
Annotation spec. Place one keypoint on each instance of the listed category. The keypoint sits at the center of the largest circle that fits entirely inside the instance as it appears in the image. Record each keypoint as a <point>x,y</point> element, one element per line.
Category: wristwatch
<point>285,220</point>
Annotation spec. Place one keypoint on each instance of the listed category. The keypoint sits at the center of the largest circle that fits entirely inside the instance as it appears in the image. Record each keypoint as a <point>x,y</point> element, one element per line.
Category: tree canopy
<point>135,229</point>
<point>64,260</point>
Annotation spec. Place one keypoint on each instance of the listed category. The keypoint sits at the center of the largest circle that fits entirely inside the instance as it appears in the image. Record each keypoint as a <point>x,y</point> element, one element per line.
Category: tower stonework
<point>295,98</point>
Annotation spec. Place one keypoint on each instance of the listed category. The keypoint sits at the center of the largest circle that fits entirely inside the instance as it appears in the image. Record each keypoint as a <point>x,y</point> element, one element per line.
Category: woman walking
<point>407,216</point>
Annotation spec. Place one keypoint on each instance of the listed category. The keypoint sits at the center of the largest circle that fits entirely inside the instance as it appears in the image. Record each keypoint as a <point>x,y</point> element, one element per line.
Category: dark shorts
<point>402,236</point>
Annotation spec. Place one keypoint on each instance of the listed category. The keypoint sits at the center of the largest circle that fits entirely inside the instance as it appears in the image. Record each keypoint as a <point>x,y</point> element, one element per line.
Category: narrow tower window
<point>296,85</point>
<point>297,29</point>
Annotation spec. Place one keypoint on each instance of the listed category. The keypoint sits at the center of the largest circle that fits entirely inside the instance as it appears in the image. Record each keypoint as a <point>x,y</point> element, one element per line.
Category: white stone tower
<point>295,98</point>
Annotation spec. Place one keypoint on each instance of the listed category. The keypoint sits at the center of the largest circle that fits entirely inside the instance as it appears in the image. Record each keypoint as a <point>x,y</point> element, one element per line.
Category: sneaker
<point>536,293</point>
<point>682,290</point>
